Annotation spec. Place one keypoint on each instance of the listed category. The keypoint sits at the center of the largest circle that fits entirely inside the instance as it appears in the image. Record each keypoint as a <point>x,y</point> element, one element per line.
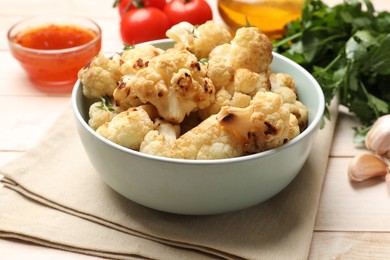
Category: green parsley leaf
<point>106,104</point>
<point>347,49</point>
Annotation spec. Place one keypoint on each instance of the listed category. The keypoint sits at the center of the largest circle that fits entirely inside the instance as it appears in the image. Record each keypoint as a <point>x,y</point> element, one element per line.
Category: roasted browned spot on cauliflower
<point>284,85</point>
<point>199,40</point>
<point>138,58</point>
<point>101,76</point>
<point>174,82</point>
<point>128,128</point>
<point>263,125</point>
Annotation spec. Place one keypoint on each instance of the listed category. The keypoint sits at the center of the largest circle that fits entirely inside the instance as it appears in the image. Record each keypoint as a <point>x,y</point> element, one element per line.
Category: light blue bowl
<point>201,187</point>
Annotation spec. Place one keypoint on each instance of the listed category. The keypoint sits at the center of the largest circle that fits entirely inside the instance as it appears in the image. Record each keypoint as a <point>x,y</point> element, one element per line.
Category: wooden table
<point>353,221</point>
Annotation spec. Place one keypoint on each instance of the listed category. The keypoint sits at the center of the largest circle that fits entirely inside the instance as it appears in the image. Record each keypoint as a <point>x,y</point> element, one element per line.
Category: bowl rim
<point>311,128</point>
<point>97,30</point>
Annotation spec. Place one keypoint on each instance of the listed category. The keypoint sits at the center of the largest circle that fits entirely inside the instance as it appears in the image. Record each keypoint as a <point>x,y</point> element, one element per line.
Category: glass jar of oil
<point>270,16</point>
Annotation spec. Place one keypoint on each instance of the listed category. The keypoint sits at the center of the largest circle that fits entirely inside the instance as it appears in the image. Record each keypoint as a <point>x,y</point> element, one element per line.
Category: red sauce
<point>51,68</point>
<point>54,37</point>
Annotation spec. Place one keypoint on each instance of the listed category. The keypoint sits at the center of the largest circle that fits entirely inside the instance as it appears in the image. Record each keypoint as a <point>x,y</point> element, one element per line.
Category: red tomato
<point>193,11</point>
<point>126,5</point>
<point>144,24</point>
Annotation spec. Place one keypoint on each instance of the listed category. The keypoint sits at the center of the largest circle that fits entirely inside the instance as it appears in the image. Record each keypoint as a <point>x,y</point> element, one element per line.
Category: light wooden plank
<point>350,245</point>
<point>343,143</point>
<point>92,8</point>
<point>346,206</point>
<point>27,119</point>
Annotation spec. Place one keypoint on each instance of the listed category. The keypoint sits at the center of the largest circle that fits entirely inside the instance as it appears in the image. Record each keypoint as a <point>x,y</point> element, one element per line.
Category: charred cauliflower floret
<point>101,76</point>
<point>128,128</point>
<point>262,125</point>
<point>250,49</point>
<point>138,58</point>
<point>284,85</point>
<point>208,140</point>
<point>124,96</point>
<point>199,40</point>
<point>174,82</point>
<point>102,112</point>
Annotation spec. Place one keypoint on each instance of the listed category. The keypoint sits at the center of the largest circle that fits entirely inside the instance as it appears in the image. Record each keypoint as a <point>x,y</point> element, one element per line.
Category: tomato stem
<point>115,4</point>
<point>137,3</point>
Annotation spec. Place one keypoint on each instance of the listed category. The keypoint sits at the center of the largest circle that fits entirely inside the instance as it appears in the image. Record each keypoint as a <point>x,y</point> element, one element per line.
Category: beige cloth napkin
<point>53,196</point>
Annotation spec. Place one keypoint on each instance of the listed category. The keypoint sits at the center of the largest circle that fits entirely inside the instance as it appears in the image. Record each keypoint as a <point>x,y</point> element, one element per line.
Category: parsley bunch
<point>347,49</point>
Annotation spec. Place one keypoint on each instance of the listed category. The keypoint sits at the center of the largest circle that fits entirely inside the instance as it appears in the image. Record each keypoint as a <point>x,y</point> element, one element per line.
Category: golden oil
<point>270,16</point>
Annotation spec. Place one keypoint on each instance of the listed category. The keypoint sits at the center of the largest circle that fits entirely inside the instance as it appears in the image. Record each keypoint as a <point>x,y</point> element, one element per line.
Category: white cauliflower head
<point>250,49</point>
<point>200,40</point>
<point>128,128</point>
<point>101,76</point>
<point>175,83</point>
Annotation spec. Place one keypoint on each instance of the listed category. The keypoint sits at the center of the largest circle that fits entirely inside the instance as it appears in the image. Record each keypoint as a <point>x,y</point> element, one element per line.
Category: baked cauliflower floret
<point>239,92</point>
<point>222,98</point>
<point>293,130</point>
<point>262,125</point>
<point>175,83</point>
<point>199,40</point>
<point>128,128</point>
<point>159,141</point>
<point>221,73</point>
<point>101,112</point>
<point>284,85</point>
<point>101,76</point>
<point>208,140</point>
<point>250,49</point>
<point>124,96</point>
<point>249,82</point>
<point>138,57</point>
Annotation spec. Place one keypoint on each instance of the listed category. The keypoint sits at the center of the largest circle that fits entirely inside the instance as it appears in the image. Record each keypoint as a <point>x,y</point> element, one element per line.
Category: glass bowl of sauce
<point>53,48</point>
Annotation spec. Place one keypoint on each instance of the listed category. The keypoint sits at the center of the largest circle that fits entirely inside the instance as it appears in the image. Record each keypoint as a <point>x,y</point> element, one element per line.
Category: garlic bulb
<point>365,166</point>
<point>378,138</point>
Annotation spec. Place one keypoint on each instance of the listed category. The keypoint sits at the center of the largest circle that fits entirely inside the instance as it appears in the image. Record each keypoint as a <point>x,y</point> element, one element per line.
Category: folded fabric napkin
<point>53,196</point>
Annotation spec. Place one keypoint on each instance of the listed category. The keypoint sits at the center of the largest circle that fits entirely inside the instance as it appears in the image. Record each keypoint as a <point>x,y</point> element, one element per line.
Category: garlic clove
<point>365,166</point>
<point>378,138</point>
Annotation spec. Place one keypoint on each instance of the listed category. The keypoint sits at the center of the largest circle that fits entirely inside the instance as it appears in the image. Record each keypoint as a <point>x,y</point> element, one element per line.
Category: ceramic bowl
<point>202,187</point>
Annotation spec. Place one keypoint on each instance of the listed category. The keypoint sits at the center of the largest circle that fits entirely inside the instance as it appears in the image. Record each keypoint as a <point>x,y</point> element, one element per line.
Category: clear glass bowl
<point>54,70</point>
